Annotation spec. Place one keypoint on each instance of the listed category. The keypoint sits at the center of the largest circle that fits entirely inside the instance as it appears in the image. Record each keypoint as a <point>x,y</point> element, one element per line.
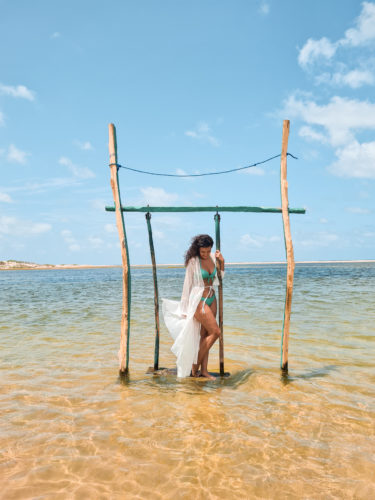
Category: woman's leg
<point>204,369</point>
<point>195,368</point>
<point>208,321</point>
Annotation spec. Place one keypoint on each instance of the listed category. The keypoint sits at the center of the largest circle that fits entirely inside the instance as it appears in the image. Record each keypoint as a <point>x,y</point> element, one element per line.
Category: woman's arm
<point>188,282</point>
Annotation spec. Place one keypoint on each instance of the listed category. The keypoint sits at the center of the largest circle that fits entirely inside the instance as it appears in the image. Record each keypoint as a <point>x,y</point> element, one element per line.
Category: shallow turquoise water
<point>70,428</point>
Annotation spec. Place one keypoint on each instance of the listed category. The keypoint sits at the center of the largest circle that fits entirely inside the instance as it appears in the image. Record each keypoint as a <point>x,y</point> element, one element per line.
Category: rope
<point>200,175</point>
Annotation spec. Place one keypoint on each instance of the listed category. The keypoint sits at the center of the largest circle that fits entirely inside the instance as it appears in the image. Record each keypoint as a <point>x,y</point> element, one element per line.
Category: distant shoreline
<point>30,266</point>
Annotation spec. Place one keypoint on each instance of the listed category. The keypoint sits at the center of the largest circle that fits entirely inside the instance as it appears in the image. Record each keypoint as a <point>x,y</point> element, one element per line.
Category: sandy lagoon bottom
<point>70,428</point>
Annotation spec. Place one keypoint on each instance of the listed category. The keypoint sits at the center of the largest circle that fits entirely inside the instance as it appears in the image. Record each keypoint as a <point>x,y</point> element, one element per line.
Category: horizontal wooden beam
<point>207,209</point>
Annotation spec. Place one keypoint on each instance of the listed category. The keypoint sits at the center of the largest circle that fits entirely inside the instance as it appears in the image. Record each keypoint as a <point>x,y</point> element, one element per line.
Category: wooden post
<point>221,338</point>
<point>288,247</point>
<point>126,280</point>
<point>156,293</point>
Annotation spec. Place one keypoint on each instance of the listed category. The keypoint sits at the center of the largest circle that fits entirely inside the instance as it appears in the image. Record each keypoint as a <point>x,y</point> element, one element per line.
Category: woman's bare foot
<point>194,371</point>
<point>207,375</point>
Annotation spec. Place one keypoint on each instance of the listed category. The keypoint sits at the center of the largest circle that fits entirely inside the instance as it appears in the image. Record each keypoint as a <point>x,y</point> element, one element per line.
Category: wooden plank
<point>288,247</point>
<point>156,293</point>
<point>208,209</point>
<point>220,292</point>
<point>126,283</point>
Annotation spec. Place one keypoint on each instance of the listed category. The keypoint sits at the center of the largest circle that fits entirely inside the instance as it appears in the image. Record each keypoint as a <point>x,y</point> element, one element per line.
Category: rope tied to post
<point>220,172</point>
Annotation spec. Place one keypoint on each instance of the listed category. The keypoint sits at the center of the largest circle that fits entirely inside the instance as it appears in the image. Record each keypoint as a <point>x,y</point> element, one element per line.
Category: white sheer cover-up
<point>179,317</point>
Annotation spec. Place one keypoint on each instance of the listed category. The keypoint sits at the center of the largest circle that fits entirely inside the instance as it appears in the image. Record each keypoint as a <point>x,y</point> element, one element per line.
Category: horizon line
<point>24,265</point>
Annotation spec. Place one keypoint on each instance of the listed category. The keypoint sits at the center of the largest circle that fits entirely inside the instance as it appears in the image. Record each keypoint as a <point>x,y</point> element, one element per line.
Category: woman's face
<point>204,252</point>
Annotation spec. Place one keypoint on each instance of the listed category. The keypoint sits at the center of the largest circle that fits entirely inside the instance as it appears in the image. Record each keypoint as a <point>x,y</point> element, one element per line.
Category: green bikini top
<point>206,275</point>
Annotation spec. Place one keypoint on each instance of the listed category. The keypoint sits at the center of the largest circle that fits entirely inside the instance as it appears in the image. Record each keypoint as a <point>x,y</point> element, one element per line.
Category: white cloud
<point>70,240</point>
<point>257,240</point>
<point>158,235</point>
<point>316,49</point>
<point>179,171</point>
<point>322,220</point>
<point>171,221</point>
<point>202,133</point>
<point>81,172</point>
<point>19,227</point>
<point>362,34</point>
<point>85,146</point>
<point>274,239</point>
<point>247,240</point>
<point>74,247</point>
<point>135,244</point>
<point>4,197</point>
<point>16,155</point>
<point>264,8</point>
<point>365,27</point>
<point>340,117</point>
<point>66,234</point>
<point>309,154</point>
<point>110,228</point>
<point>40,187</point>
<point>311,134</point>
<point>322,239</point>
<point>2,120</point>
<point>253,171</point>
<point>357,210</point>
<point>95,242</point>
<point>199,196</point>
<point>39,227</point>
<point>354,79</point>
<point>325,52</point>
<point>158,197</point>
<point>355,160</point>
<point>17,91</point>
<point>56,34</point>
<point>101,204</point>
<point>338,121</point>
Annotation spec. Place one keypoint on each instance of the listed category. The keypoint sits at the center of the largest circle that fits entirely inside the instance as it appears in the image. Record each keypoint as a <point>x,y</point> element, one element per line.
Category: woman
<point>192,321</point>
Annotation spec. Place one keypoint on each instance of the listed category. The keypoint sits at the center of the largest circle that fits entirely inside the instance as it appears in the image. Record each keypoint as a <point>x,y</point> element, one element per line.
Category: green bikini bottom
<point>208,300</point>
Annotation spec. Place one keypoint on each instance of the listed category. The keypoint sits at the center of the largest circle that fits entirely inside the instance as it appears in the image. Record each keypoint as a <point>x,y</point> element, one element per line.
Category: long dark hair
<point>199,241</point>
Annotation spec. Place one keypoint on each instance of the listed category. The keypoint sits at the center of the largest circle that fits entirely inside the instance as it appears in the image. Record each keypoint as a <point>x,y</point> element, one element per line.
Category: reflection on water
<point>72,428</point>
<point>318,372</point>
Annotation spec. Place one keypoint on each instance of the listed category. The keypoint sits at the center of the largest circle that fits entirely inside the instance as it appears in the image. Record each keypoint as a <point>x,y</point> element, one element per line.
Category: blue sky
<point>192,86</point>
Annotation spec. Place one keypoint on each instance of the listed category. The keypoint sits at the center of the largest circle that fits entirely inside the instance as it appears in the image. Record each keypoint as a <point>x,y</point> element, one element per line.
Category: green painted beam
<point>207,209</point>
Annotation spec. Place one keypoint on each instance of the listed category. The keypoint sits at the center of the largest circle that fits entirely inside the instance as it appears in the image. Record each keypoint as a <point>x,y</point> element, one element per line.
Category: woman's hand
<point>220,258</point>
<point>218,255</point>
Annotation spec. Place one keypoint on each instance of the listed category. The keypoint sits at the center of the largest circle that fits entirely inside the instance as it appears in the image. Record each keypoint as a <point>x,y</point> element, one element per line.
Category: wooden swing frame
<point>119,209</point>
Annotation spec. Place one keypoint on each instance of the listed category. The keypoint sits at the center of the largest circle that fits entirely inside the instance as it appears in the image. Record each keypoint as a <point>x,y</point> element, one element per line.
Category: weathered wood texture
<point>288,247</point>
<point>156,292</point>
<point>126,284</point>
<point>208,209</point>
<point>220,291</point>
